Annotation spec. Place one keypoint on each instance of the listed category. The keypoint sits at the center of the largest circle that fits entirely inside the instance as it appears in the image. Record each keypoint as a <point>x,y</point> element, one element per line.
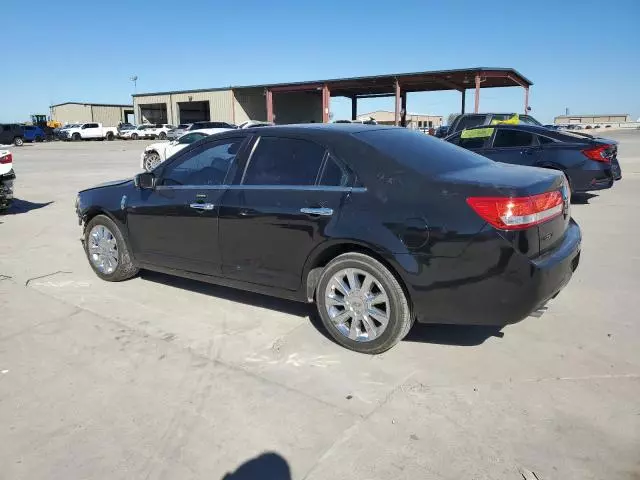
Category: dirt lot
<point>162,378</point>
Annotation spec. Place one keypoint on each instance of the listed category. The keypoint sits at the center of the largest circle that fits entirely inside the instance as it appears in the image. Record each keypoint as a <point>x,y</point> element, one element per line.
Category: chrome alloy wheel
<point>357,304</point>
<point>103,249</point>
<point>151,161</point>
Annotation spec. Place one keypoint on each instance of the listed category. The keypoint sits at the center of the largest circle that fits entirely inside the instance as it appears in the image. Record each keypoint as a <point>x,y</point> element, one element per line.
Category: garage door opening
<point>194,112</point>
<point>128,116</point>
<point>153,113</point>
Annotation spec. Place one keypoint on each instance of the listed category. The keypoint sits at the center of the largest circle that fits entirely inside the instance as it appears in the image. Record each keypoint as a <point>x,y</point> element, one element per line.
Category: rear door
<point>514,146</point>
<point>175,225</point>
<point>288,196</point>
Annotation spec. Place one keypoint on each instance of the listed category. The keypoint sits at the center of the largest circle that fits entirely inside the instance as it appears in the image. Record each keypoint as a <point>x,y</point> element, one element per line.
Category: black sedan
<point>379,226</point>
<point>589,163</point>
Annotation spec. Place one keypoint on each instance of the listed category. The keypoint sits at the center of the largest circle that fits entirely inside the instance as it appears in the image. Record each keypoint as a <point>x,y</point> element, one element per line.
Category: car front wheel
<point>107,251</point>
<point>362,304</point>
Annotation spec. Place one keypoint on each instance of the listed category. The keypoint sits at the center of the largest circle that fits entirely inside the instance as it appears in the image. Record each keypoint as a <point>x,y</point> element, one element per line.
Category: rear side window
<point>470,121</point>
<point>545,140</point>
<point>421,152</point>
<point>512,138</point>
<point>284,161</point>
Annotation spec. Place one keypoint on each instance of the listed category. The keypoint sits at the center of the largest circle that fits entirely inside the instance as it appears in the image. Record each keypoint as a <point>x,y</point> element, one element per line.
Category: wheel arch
<point>96,211</point>
<point>327,251</point>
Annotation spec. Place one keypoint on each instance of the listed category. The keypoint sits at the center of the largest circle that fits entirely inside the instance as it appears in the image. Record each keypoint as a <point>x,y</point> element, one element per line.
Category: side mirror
<point>145,181</point>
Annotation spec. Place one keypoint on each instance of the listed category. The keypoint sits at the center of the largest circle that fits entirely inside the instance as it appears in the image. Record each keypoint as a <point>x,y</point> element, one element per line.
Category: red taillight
<point>8,158</point>
<point>517,213</point>
<point>599,153</point>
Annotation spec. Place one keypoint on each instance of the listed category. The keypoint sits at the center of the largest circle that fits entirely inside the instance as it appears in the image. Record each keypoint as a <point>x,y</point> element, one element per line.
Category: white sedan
<point>156,153</point>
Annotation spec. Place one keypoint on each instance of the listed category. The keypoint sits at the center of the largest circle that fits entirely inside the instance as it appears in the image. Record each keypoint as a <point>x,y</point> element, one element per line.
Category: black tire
<point>38,139</point>
<point>162,136</point>
<point>109,136</point>
<point>126,269</point>
<point>18,141</point>
<point>134,136</point>
<point>76,137</point>
<point>400,320</point>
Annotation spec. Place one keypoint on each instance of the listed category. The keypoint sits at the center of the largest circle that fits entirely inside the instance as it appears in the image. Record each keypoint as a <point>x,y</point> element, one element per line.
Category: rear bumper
<point>592,176</point>
<point>6,188</point>
<point>491,283</point>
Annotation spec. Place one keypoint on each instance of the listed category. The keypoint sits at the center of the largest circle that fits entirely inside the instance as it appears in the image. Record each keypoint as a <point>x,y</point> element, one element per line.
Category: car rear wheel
<point>18,141</point>
<point>75,137</point>
<point>134,136</point>
<point>162,136</point>
<point>151,161</point>
<point>109,136</point>
<point>38,139</point>
<point>107,251</point>
<point>362,304</point>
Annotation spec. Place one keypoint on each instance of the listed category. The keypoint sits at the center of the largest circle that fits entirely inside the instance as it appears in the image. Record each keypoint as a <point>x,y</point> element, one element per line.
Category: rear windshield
<point>421,152</point>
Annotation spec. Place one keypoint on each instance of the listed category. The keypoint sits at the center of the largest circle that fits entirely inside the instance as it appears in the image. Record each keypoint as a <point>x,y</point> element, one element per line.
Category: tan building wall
<point>221,106</point>
<point>108,115</point>
<point>249,104</point>
<point>415,121</point>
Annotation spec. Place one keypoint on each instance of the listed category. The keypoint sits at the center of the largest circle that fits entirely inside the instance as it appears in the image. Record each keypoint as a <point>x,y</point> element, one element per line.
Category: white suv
<point>159,130</point>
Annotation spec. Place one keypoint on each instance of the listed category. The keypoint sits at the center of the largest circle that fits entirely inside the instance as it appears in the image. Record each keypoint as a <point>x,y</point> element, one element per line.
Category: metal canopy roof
<point>384,84</point>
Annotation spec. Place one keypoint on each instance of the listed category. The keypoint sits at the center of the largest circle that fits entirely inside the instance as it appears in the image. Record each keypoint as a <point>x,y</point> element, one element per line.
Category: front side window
<point>512,138</point>
<point>91,125</point>
<point>527,120</point>
<point>206,165</point>
<point>284,161</point>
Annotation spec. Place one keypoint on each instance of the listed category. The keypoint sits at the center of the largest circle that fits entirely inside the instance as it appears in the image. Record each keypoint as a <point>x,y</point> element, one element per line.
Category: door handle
<point>325,212</point>
<point>202,206</point>
<point>527,151</point>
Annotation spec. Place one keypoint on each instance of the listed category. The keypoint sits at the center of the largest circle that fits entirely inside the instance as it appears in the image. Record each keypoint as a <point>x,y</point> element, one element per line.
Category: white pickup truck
<point>89,131</point>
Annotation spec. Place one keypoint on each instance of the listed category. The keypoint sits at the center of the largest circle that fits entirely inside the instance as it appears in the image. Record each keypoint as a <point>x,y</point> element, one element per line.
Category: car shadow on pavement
<point>582,198</point>
<point>235,295</point>
<point>23,206</point>
<point>269,465</point>
<point>462,335</point>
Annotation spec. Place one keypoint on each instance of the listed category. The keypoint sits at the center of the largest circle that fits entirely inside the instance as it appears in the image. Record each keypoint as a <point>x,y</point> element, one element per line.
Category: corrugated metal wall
<point>108,116</point>
<point>71,113</point>
<point>249,104</point>
<point>220,104</point>
<point>137,101</point>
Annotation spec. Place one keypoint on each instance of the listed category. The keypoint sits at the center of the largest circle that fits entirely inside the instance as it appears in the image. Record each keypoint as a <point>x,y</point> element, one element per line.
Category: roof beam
<point>448,84</point>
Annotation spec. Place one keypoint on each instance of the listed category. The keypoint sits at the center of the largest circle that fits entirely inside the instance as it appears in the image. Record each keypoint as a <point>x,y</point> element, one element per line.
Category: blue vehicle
<point>589,163</point>
<point>33,133</point>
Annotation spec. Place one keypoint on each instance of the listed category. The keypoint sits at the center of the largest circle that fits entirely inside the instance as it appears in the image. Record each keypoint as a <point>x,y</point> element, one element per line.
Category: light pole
<point>134,79</point>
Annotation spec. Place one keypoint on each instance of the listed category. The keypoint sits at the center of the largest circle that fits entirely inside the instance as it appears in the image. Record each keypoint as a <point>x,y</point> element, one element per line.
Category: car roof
<point>319,128</point>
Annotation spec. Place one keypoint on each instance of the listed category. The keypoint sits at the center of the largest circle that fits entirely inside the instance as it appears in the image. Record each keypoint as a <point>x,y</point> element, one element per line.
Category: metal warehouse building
<point>305,102</point>
<point>107,114</point>
<point>599,118</point>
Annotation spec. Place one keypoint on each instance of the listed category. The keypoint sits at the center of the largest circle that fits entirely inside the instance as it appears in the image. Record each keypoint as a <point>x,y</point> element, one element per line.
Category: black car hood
<point>113,183</point>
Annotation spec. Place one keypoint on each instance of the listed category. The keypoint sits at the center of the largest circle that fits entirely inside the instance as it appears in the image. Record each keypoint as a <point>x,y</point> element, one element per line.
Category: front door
<point>175,225</point>
<point>513,146</point>
<point>289,196</point>
<point>90,130</point>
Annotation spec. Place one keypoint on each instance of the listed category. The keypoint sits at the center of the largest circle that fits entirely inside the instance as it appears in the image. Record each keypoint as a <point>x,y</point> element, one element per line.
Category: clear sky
<point>582,55</point>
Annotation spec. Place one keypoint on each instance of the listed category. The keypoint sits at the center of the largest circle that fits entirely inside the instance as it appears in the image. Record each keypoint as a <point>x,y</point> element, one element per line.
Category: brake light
<point>517,213</point>
<point>8,158</point>
<point>598,153</point>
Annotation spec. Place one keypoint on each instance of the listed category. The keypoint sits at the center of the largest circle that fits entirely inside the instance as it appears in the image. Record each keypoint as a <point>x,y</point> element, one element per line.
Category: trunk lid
<point>514,181</point>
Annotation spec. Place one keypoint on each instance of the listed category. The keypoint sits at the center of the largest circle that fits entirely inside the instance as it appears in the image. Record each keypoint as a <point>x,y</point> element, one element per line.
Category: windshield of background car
<point>421,152</point>
<point>527,120</point>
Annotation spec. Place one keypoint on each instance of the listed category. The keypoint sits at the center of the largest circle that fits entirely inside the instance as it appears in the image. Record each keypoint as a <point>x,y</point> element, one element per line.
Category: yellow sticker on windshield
<point>477,133</point>
<point>514,120</point>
